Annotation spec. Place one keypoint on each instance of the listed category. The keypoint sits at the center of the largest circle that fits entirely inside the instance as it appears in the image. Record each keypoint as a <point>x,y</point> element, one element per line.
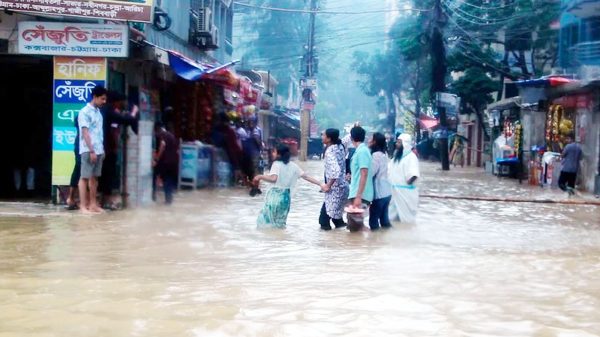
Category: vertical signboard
<point>74,79</point>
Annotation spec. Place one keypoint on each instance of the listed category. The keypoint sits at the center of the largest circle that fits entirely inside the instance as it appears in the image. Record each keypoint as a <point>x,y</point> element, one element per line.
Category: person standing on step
<point>91,148</point>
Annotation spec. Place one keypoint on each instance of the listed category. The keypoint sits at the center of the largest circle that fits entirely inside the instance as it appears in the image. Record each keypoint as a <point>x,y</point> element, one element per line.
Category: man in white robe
<point>403,173</point>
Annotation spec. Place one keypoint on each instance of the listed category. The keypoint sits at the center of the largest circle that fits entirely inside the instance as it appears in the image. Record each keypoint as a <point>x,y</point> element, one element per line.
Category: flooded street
<point>201,268</point>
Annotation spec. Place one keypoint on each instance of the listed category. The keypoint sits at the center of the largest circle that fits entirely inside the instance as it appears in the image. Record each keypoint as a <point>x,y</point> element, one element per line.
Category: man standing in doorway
<point>571,156</point>
<point>166,164</point>
<point>361,183</point>
<point>114,115</point>
<point>91,148</point>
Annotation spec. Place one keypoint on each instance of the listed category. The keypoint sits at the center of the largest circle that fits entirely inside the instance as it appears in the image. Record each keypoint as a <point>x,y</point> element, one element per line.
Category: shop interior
<point>26,96</point>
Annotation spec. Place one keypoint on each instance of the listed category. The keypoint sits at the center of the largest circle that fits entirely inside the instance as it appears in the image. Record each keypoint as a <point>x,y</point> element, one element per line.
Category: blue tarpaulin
<point>192,70</point>
<point>187,68</point>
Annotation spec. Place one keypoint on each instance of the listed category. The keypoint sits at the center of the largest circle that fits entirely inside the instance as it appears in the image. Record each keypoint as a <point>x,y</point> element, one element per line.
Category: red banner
<point>584,101</point>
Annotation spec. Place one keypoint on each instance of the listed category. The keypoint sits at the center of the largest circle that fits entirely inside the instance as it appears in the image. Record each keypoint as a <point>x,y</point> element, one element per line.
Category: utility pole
<point>307,87</point>
<point>438,80</point>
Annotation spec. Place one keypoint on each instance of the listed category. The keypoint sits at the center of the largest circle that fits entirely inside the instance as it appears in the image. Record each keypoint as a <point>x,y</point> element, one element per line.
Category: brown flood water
<point>201,268</point>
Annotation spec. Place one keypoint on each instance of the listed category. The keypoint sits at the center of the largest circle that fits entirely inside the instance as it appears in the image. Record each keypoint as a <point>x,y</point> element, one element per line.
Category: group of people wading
<point>373,183</point>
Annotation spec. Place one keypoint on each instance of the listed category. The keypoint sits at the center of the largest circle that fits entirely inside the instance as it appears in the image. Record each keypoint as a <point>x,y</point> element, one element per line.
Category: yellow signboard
<point>86,68</point>
<point>74,79</point>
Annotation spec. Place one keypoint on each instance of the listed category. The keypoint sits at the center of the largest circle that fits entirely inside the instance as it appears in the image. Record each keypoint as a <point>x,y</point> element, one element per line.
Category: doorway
<point>26,96</point>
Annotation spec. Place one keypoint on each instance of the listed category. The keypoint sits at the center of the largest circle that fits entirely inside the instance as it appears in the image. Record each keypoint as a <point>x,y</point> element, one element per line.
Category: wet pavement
<point>201,268</point>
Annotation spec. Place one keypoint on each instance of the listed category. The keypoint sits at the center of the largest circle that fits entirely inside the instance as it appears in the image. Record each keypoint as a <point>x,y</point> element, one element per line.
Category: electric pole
<point>438,80</point>
<point>308,84</point>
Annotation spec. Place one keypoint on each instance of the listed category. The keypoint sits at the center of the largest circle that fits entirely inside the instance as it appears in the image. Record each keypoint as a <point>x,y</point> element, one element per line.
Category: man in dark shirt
<point>166,163</point>
<point>571,156</point>
<point>114,116</point>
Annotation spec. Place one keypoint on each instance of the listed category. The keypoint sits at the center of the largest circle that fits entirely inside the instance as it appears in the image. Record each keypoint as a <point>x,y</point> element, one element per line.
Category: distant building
<point>579,50</point>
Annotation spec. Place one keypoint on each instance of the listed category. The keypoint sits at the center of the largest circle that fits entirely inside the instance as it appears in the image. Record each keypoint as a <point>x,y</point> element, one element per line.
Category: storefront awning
<point>185,67</point>
<point>505,104</point>
<point>191,70</point>
<point>546,82</point>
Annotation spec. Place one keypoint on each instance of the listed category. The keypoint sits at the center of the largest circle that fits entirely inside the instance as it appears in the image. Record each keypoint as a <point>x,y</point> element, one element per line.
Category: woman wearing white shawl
<point>403,172</point>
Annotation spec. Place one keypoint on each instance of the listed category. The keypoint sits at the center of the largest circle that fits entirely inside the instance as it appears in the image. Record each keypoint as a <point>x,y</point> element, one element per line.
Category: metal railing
<point>585,53</point>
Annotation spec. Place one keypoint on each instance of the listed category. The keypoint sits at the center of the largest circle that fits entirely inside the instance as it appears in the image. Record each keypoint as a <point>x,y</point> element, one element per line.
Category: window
<point>590,29</point>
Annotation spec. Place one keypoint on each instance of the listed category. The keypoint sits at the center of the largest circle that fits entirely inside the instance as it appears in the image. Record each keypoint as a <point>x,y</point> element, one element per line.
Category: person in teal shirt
<point>361,184</point>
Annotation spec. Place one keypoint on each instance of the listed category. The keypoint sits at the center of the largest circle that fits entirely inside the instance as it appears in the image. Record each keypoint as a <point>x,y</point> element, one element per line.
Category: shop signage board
<point>124,10</point>
<point>74,79</point>
<point>73,39</point>
<point>449,101</point>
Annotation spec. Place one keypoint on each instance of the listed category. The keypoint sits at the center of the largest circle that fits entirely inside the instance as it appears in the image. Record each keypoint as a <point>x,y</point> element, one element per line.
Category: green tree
<point>474,88</point>
<point>512,39</point>
<point>275,40</point>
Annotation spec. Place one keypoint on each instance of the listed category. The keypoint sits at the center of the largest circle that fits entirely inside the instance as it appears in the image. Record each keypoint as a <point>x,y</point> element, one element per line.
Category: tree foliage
<point>486,41</point>
<point>276,40</point>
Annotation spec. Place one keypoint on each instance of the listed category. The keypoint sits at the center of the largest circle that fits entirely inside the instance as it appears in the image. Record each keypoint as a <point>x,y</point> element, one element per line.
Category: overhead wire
<point>308,11</point>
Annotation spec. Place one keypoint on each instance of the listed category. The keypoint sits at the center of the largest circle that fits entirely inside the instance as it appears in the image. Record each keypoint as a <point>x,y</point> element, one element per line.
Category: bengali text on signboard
<point>74,80</point>
<point>125,10</point>
<point>73,39</point>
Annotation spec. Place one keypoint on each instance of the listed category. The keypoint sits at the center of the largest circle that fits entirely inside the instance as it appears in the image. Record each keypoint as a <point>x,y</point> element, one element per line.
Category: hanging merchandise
<point>508,128</point>
<point>249,112</point>
<point>558,112</point>
<point>549,116</point>
<point>559,124</point>
<point>518,137</point>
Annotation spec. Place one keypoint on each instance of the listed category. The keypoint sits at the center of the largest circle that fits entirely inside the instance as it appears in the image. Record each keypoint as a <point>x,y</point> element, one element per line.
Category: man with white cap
<point>403,172</point>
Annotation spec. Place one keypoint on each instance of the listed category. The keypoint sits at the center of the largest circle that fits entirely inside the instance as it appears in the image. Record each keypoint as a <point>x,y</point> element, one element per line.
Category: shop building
<point>42,152</point>
<point>579,54</point>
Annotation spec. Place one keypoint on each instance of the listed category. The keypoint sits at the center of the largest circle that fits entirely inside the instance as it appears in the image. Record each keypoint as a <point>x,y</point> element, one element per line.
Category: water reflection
<point>202,269</point>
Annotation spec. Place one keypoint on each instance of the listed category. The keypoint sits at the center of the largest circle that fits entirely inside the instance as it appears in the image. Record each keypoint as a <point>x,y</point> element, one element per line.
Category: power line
<point>464,2</point>
<point>308,11</point>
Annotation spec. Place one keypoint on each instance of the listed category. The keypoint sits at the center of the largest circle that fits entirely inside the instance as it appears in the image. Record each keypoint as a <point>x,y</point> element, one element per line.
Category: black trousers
<point>325,220</point>
<point>76,171</point>
<point>378,213</point>
<point>567,179</point>
<point>109,179</point>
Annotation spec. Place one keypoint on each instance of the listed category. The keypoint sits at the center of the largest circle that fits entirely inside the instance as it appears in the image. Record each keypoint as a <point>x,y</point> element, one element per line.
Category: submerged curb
<point>515,200</point>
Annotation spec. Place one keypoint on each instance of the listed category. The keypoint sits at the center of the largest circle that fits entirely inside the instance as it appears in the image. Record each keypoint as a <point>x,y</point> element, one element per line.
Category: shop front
<point>52,67</point>
<point>507,134</point>
<point>577,114</point>
<point>26,95</point>
<point>204,93</point>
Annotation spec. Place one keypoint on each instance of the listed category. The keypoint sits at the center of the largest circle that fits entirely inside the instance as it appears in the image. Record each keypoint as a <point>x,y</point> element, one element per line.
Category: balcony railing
<point>585,53</point>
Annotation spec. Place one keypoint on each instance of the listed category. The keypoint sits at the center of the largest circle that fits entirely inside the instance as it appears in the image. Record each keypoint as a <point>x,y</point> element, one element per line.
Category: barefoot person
<point>91,148</point>
<point>284,175</point>
<point>403,172</point>
<point>336,189</point>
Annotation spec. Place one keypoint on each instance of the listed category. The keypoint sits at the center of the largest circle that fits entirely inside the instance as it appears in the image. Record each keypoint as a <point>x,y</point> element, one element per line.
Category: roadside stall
<point>507,132</point>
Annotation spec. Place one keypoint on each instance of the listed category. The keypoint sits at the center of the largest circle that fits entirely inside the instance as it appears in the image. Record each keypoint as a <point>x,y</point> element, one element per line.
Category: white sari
<point>405,197</point>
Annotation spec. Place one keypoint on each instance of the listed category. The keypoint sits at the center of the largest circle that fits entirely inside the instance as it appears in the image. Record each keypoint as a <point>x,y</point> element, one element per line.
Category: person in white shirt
<point>284,175</point>
<point>91,149</point>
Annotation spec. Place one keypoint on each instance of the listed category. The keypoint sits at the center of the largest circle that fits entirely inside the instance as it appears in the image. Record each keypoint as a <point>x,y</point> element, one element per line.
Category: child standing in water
<point>284,175</point>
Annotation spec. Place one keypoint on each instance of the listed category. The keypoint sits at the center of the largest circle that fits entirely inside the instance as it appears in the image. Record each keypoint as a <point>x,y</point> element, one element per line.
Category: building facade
<point>132,57</point>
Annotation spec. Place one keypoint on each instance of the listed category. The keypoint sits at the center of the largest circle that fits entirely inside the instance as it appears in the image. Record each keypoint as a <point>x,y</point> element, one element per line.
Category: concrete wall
<point>139,165</point>
<point>588,134</point>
